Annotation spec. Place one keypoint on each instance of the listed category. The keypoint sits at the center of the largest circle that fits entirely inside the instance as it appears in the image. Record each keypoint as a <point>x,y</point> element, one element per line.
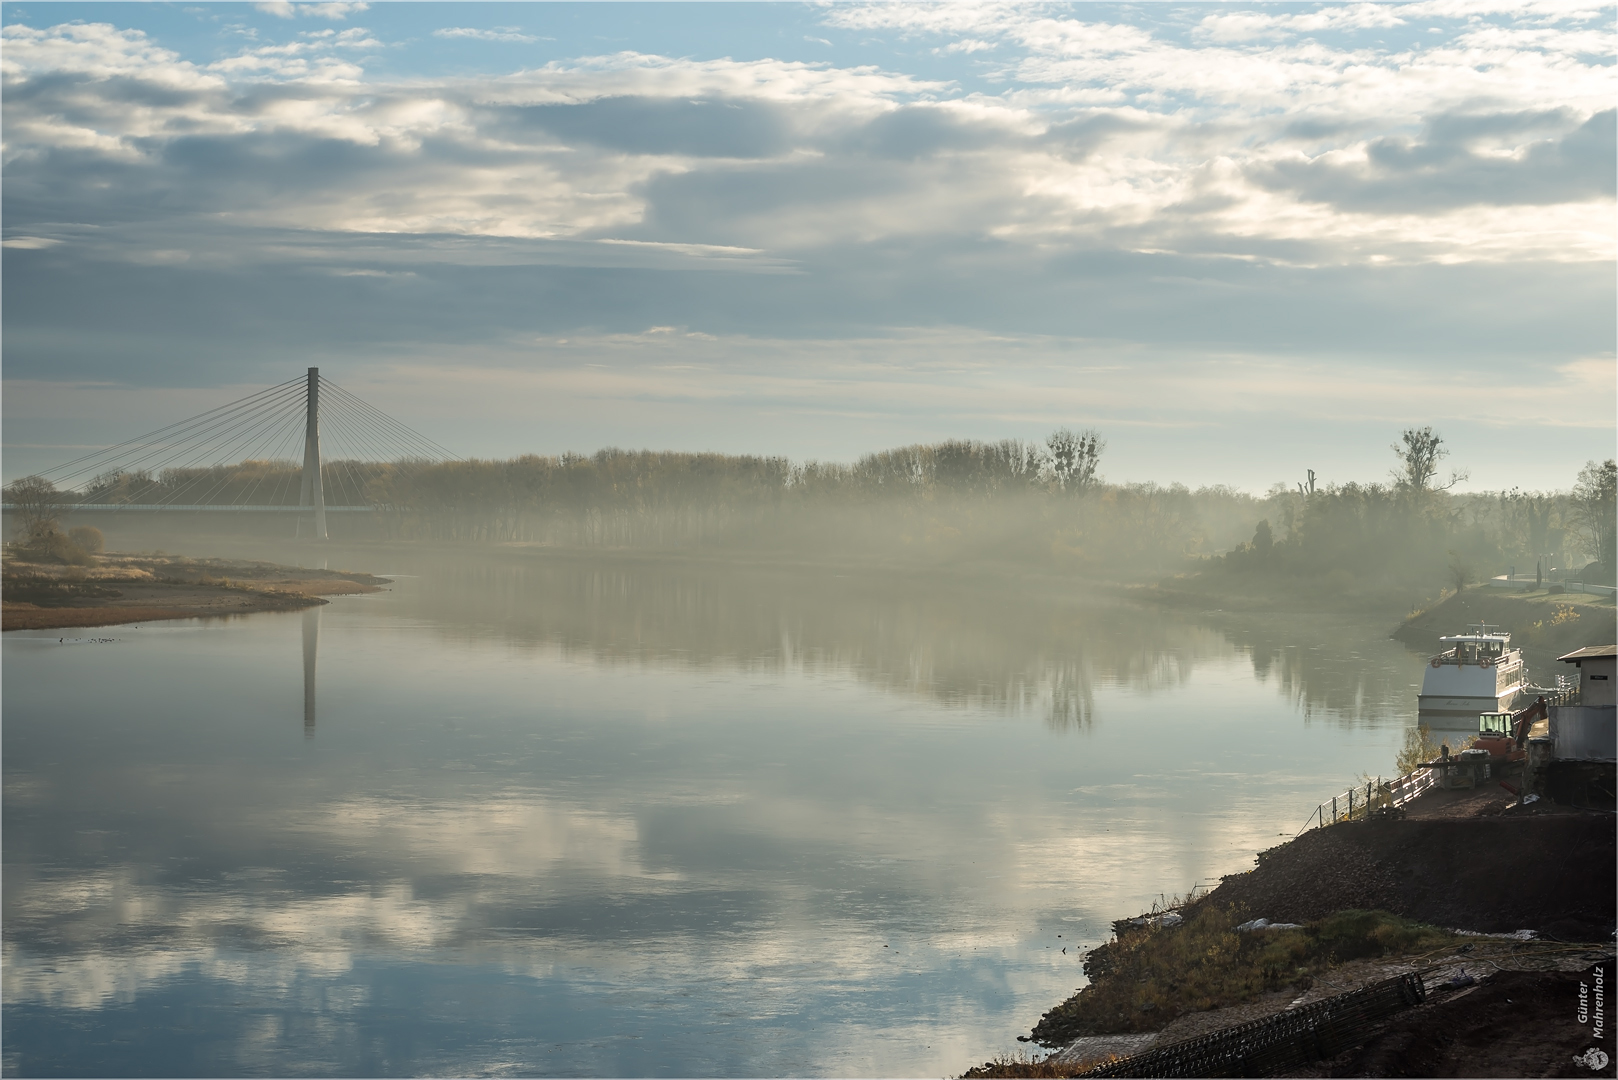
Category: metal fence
<point>1413,786</point>
<point>1360,801</point>
<point>1276,1044</point>
<point>1510,581</point>
<point>1566,692</point>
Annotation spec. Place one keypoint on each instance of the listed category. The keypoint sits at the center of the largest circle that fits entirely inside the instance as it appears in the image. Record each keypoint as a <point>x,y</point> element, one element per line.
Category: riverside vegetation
<point>54,580</point>
<point>1142,977</point>
<point>1043,507</point>
<point>1350,904</point>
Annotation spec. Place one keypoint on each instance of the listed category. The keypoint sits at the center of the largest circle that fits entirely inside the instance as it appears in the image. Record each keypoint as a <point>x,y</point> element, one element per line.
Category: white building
<point>1589,730</point>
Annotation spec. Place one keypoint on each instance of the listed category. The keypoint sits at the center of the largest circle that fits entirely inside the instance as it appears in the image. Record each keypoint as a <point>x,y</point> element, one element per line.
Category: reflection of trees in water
<point>1009,647</point>
<point>1065,697</point>
<point>1331,667</point>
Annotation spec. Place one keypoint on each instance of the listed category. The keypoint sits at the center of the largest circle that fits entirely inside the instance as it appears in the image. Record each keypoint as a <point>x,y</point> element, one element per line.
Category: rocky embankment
<point>1367,900</point>
<point>114,589</point>
<point>1551,873</point>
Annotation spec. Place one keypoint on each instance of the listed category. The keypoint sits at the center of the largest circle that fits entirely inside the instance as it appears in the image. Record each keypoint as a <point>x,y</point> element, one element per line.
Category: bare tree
<point>35,501</point>
<point>1595,508</point>
<point>1422,450</point>
<point>1460,571</point>
<point>1074,457</point>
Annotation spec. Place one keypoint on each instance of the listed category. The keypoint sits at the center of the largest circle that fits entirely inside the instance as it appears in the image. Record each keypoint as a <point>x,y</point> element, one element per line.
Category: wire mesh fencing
<point>1275,1044</point>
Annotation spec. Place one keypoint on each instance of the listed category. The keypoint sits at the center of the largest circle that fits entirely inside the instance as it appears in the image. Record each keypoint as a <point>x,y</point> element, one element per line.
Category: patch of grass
<point>49,593</point>
<point>1146,977</point>
<point>1353,935</point>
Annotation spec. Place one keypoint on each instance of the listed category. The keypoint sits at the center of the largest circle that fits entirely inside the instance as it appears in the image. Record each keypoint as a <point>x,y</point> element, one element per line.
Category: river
<point>521,815</point>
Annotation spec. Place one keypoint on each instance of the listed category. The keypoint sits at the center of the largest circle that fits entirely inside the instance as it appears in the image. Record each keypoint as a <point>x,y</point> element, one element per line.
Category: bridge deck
<point>125,508</point>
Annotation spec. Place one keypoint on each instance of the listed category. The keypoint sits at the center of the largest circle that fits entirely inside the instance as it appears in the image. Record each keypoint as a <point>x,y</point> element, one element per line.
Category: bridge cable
<point>276,437</point>
<point>235,441</point>
<point>176,435</point>
<point>424,446</point>
<point>275,462</point>
<point>153,435</point>
<point>202,440</point>
<point>133,464</point>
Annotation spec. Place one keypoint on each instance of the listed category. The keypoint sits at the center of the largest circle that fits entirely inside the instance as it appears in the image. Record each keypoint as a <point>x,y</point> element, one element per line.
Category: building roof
<point>1590,652</point>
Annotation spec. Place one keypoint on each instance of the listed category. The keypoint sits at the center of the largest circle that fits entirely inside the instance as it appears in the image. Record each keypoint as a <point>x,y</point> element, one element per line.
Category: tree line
<point>1412,528</point>
<point>1042,504</point>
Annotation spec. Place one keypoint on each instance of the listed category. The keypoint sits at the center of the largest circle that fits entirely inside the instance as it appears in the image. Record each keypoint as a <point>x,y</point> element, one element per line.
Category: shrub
<point>88,538</point>
<point>59,548</point>
<point>51,546</point>
<point>1351,935</point>
<point>1419,747</point>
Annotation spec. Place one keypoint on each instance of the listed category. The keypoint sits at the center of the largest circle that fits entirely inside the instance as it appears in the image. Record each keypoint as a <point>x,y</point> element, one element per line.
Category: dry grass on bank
<point>1021,1065</point>
<point>1146,977</point>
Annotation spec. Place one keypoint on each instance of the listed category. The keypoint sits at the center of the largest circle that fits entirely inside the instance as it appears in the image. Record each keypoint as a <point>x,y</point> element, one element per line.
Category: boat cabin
<point>1478,672</point>
<point>1482,644</point>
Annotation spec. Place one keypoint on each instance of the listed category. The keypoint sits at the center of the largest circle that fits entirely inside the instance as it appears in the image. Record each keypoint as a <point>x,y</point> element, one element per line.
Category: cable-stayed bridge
<point>243,457</point>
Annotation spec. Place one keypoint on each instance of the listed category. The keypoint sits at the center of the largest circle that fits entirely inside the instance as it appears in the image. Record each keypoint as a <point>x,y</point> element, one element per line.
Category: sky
<point>1240,240</point>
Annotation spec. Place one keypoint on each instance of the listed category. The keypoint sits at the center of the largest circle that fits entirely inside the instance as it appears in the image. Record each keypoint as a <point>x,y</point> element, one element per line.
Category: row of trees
<point>1414,529</point>
<point>1042,503</point>
<point>1010,500</point>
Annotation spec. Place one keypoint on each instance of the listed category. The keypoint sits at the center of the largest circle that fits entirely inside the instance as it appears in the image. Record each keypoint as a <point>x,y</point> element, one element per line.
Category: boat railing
<point>1507,659</point>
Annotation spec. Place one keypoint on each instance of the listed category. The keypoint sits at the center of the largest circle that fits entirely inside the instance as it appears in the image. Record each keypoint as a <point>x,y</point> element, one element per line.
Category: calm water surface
<point>522,817</point>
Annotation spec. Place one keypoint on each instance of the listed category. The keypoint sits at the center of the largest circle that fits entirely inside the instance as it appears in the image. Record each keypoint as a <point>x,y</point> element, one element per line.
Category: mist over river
<point>530,815</point>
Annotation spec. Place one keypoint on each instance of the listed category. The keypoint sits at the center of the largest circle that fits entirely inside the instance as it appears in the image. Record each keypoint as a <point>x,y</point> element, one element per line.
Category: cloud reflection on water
<point>802,815</point>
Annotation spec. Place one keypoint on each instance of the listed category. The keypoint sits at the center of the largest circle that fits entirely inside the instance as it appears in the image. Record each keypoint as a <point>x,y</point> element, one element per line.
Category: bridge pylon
<point>310,492</point>
<point>242,457</point>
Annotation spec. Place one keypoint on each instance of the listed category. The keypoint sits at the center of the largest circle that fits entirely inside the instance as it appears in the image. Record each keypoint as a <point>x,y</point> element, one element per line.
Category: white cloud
<point>1255,25</point>
<point>485,35</point>
<point>1281,140</point>
<point>284,9</point>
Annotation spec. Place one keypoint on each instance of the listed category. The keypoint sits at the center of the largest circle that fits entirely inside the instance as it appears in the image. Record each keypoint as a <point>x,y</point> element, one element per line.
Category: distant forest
<point>1040,504</point>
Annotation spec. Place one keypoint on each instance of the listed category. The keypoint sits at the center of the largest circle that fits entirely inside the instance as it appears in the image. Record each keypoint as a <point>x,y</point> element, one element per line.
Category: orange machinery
<point>1505,735</point>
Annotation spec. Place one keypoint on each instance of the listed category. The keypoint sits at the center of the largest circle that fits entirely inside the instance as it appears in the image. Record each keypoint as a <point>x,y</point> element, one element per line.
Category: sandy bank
<point>143,588</point>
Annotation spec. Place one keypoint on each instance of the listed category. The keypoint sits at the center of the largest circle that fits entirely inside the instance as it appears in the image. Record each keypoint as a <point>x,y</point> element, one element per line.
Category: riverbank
<point>1239,591</point>
<point>1358,903</point>
<point>126,588</point>
<point>1544,624</point>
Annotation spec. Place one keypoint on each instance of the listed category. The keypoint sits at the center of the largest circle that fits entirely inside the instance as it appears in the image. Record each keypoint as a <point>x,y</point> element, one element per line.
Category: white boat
<point>1479,672</point>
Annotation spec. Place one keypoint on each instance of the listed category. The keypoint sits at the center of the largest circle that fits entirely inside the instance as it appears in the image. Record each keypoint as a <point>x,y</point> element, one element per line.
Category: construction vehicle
<point>1505,735</point>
